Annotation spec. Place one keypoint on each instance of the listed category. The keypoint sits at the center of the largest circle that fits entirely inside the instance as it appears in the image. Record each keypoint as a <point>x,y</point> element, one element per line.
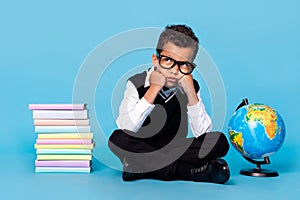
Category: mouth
<point>172,80</point>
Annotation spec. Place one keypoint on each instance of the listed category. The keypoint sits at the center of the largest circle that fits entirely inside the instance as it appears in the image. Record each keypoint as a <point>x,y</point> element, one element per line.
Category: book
<point>63,141</point>
<point>64,146</point>
<point>57,106</point>
<point>60,114</point>
<point>63,169</point>
<point>62,163</point>
<point>63,157</point>
<point>66,129</point>
<point>61,122</point>
<point>65,135</point>
<point>63,151</point>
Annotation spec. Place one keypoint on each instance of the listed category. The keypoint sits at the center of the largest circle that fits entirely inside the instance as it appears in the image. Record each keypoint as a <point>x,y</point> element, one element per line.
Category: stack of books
<point>64,139</point>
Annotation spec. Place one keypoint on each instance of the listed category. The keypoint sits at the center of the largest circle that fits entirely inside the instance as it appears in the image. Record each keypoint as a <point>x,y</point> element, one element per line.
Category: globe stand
<point>258,171</point>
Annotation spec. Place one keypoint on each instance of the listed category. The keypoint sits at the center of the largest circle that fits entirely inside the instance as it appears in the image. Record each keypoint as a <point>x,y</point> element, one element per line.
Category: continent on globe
<point>237,140</point>
<point>265,115</point>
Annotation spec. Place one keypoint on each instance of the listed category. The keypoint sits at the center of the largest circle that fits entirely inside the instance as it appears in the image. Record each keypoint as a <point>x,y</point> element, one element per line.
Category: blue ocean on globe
<point>256,131</point>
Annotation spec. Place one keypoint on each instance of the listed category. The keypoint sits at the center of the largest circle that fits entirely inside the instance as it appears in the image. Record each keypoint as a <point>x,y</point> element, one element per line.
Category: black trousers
<point>172,161</point>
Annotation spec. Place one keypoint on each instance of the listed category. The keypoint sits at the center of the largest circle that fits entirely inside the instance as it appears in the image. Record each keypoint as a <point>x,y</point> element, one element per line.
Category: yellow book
<point>65,136</point>
<point>64,157</point>
<point>64,146</point>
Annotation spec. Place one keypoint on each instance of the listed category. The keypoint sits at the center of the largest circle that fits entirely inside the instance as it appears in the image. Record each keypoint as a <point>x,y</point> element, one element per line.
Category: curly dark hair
<point>180,35</point>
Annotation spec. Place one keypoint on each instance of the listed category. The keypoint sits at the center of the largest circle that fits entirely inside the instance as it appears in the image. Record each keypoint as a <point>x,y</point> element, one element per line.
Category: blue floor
<point>18,180</point>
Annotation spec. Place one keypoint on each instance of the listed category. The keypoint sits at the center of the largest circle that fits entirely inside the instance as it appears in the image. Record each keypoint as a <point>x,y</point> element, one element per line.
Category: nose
<point>175,69</point>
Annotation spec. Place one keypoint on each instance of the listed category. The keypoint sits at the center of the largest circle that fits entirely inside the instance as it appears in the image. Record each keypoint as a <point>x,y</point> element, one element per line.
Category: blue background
<point>255,45</point>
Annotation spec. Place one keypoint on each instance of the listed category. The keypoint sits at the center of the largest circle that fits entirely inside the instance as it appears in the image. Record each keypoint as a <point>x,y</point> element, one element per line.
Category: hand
<point>187,84</point>
<point>157,80</point>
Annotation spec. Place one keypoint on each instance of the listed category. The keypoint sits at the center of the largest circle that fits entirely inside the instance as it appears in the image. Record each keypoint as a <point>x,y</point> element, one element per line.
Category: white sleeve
<point>199,120</point>
<point>133,110</point>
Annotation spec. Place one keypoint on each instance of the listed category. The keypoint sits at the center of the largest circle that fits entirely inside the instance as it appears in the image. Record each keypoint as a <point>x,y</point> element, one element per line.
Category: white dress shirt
<point>133,110</point>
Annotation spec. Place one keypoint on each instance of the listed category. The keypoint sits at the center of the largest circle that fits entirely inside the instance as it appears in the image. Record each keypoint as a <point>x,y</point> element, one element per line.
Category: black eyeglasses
<point>168,63</point>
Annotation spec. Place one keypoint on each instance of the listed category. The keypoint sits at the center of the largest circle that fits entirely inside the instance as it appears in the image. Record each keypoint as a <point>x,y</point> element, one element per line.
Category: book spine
<point>65,135</point>
<point>64,157</point>
<point>62,163</point>
<point>60,114</point>
<point>63,151</point>
<point>63,141</point>
<point>63,169</point>
<point>66,129</point>
<point>79,122</point>
<point>64,146</point>
<point>57,106</point>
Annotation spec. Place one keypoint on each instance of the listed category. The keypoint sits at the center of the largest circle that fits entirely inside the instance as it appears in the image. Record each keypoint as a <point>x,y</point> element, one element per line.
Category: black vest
<point>167,119</point>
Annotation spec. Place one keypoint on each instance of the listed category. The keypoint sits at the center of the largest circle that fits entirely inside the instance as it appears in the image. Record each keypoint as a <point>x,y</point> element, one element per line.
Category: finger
<point>179,82</point>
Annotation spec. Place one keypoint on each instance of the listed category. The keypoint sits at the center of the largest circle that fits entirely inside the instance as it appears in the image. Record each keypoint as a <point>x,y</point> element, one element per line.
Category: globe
<point>256,131</point>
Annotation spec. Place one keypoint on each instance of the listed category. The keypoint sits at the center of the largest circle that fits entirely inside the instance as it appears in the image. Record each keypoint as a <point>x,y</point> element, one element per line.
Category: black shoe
<point>214,171</point>
<point>130,173</point>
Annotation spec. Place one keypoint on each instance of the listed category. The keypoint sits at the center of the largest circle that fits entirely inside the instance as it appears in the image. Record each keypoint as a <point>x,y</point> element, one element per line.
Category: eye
<point>187,65</point>
<point>167,60</point>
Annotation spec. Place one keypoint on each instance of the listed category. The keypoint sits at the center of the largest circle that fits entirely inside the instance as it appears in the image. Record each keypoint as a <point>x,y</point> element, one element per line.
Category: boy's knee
<point>222,136</point>
<point>222,142</point>
<point>119,138</point>
<point>115,135</point>
<point>115,138</point>
<point>219,139</point>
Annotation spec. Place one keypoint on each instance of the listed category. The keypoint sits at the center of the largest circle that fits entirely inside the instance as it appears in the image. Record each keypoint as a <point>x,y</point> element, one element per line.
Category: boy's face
<point>180,54</point>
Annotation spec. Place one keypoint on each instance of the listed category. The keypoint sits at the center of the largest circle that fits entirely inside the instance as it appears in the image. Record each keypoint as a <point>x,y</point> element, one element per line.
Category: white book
<point>57,106</point>
<point>63,151</point>
<point>63,169</point>
<point>62,129</point>
<point>60,114</point>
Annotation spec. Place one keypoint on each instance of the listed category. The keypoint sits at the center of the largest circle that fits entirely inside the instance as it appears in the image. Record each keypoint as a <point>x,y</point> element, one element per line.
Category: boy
<point>154,115</point>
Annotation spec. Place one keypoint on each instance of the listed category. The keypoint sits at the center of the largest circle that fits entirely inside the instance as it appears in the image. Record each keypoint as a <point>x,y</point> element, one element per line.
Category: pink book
<point>61,122</point>
<point>63,141</point>
<point>57,106</point>
<point>62,163</point>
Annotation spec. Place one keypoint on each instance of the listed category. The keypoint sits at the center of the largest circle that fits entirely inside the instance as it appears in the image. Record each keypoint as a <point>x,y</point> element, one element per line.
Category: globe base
<point>259,172</point>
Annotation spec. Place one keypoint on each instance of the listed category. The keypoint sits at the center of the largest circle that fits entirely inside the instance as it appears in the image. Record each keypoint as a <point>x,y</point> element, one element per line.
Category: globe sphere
<point>256,131</point>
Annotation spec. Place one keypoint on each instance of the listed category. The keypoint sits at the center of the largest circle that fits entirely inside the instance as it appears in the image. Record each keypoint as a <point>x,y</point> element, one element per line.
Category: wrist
<point>192,98</point>
<point>155,88</point>
<point>152,92</point>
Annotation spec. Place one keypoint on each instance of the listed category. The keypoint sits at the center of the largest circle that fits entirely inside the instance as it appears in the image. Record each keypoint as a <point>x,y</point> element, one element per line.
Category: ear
<point>154,60</point>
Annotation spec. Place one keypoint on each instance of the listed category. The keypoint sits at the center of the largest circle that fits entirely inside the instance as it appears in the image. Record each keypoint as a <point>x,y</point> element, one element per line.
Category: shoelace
<point>199,169</point>
<point>199,172</point>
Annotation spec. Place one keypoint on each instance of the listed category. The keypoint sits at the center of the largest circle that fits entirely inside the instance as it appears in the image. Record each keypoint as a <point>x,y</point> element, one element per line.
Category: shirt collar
<point>147,82</point>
